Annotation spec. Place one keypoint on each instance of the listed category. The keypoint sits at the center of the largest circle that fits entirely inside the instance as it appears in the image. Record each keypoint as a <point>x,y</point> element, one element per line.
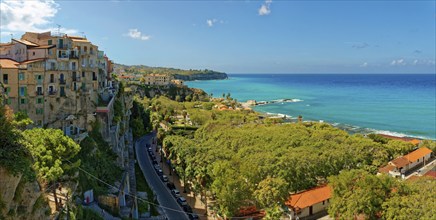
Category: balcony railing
<point>52,92</point>
<point>62,81</point>
<point>76,79</point>
<point>5,81</point>
<point>39,93</point>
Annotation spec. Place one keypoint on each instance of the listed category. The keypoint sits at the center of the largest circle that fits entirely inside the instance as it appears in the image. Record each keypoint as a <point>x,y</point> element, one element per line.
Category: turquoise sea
<point>396,104</point>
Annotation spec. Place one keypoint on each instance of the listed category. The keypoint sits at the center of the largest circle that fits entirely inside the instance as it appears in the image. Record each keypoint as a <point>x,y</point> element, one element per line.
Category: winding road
<point>168,203</point>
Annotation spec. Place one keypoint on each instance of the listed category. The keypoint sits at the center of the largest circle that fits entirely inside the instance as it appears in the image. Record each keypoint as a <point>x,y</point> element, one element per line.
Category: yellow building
<point>157,79</point>
<point>54,79</point>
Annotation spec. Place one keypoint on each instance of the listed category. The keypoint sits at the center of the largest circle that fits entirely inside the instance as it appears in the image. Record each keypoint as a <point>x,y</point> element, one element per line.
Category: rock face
<point>201,76</point>
<point>20,199</point>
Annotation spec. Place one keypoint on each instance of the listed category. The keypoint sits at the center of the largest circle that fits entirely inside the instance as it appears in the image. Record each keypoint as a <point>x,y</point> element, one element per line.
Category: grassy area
<point>142,186</point>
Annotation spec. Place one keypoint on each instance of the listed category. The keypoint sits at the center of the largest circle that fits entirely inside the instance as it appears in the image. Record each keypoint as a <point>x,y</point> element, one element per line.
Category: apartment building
<point>55,78</point>
<point>157,79</point>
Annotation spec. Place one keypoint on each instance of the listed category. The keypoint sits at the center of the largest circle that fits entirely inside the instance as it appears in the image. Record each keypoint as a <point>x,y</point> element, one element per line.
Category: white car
<point>176,193</point>
<point>164,178</point>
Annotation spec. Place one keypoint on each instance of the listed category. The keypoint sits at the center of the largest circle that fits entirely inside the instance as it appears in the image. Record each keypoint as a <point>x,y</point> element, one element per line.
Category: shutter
<point>25,91</point>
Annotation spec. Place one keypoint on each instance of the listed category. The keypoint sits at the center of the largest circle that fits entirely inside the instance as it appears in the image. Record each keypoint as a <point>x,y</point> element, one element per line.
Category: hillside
<point>187,75</point>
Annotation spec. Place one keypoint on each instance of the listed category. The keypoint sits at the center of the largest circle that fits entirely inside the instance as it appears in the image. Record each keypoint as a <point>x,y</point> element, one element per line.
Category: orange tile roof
<point>400,162</point>
<point>415,141</point>
<point>8,64</point>
<point>417,154</point>
<point>309,197</point>
<point>386,169</point>
<point>431,173</point>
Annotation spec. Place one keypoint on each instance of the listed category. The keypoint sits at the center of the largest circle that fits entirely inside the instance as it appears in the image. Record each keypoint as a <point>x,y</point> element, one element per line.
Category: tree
<point>357,193</point>
<point>51,151</point>
<point>415,199</point>
<point>270,191</point>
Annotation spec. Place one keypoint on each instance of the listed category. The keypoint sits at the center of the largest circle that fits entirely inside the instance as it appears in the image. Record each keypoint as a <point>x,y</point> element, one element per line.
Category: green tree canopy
<point>51,151</point>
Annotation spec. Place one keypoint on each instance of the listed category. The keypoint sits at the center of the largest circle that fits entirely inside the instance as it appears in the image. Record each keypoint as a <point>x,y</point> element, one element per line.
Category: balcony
<point>76,79</point>
<point>74,56</point>
<point>52,92</point>
<point>39,93</point>
<point>52,68</point>
<point>5,81</point>
<point>62,81</point>
<point>94,78</point>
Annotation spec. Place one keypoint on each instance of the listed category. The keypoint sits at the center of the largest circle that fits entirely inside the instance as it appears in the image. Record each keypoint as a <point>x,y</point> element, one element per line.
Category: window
<point>22,101</point>
<point>50,42</point>
<point>39,122</point>
<point>39,111</point>
<point>39,100</point>
<point>20,76</point>
<point>33,53</point>
<point>323,202</point>
<point>51,78</point>
<point>7,90</point>
<point>39,77</point>
<point>5,78</point>
<point>83,74</point>
<point>62,91</point>
<point>23,91</point>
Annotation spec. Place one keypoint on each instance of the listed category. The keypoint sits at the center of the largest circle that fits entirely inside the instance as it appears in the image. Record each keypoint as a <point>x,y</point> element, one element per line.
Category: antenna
<point>83,34</point>
<point>12,36</point>
<point>59,29</point>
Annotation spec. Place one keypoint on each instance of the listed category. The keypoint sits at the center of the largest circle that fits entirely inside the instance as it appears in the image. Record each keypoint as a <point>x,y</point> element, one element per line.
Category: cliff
<point>20,199</point>
<point>202,76</point>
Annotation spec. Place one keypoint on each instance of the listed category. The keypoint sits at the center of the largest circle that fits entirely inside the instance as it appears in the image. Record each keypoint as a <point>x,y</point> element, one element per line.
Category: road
<point>168,204</point>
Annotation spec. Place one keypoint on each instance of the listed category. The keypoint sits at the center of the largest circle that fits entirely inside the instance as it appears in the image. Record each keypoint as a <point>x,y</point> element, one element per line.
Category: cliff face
<point>201,76</point>
<point>20,199</point>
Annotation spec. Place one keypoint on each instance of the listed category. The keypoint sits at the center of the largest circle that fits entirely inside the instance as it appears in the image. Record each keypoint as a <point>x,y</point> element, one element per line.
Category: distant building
<point>157,79</point>
<point>401,165</point>
<point>309,202</point>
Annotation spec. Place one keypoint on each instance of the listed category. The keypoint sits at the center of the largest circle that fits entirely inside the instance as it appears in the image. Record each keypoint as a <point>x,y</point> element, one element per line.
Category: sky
<point>244,36</point>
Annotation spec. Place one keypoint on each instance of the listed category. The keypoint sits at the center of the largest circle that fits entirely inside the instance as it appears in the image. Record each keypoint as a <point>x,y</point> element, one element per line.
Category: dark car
<point>187,209</point>
<point>171,185</point>
<point>192,216</point>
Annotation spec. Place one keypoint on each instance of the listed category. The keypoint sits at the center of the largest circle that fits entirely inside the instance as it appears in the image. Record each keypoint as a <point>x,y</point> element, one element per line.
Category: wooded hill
<point>177,73</point>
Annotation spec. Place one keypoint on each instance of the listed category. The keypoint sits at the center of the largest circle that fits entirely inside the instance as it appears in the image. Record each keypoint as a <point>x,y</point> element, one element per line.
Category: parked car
<point>193,216</point>
<point>159,172</point>
<point>176,193</point>
<point>187,208</point>
<point>182,201</point>
<point>171,185</point>
<point>157,167</point>
<point>155,162</point>
<point>164,178</point>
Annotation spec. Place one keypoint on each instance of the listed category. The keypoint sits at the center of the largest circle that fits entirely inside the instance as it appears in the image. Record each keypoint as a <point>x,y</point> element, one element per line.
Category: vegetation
<point>142,186</point>
<point>141,69</point>
<point>359,193</point>
<point>98,160</point>
<point>14,157</point>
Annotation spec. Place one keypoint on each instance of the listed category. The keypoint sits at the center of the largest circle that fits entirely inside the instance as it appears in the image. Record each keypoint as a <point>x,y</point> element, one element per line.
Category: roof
<point>417,154</point>
<point>33,61</point>
<point>44,47</point>
<point>406,139</point>
<point>400,162</point>
<point>386,169</point>
<point>431,173</point>
<point>25,42</point>
<point>309,197</point>
<point>8,64</point>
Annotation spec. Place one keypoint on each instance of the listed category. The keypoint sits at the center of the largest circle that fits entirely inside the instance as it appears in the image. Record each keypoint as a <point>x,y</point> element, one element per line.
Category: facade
<point>55,78</point>
<point>157,79</point>
<point>401,165</point>
<point>309,202</point>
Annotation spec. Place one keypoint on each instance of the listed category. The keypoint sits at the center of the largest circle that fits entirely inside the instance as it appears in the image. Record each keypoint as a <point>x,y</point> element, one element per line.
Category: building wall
<point>318,207</point>
<point>420,161</point>
<point>19,52</point>
<point>36,53</point>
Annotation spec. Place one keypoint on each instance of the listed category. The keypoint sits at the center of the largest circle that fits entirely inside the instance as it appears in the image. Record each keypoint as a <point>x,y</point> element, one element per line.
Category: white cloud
<point>365,64</point>
<point>264,8</point>
<point>415,62</point>
<point>399,62</point>
<point>209,22</point>
<point>135,34</point>
<point>212,22</point>
<point>34,16</point>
